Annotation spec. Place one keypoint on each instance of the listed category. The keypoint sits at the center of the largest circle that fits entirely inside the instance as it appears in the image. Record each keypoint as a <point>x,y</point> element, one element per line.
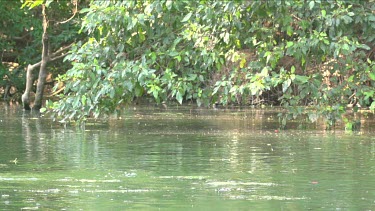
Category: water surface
<point>183,159</point>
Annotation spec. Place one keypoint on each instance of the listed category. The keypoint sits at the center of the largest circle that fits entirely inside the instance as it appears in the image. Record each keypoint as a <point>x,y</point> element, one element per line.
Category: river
<point>183,158</point>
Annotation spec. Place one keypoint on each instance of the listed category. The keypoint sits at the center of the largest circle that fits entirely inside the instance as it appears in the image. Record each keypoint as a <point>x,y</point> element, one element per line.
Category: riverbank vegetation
<point>314,58</point>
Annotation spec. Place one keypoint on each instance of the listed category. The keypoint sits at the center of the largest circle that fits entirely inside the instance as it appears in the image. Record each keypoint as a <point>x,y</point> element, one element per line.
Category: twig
<point>75,3</point>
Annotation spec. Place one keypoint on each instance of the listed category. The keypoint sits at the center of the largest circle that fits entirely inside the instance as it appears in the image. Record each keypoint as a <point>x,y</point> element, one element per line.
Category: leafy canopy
<point>294,53</point>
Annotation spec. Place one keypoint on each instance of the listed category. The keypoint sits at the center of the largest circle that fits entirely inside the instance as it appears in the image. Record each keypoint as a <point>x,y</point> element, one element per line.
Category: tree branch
<point>75,3</point>
<point>55,55</point>
<point>52,57</point>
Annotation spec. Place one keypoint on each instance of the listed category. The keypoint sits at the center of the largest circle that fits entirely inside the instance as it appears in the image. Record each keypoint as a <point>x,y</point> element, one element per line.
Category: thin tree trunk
<point>43,65</point>
<point>7,91</point>
<point>30,79</point>
<point>29,85</point>
<point>46,57</point>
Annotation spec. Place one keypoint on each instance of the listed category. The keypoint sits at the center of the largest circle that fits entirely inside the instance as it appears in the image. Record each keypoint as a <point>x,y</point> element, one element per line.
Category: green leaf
<point>372,106</point>
<point>286,84</point>
<point>268,55</point>
<point>85,10</point>
<point>289,31</point>
<point>153,56</point>
<point>187,17</point>
<point>168,4</point>
<point>31,4</point>
<point>292,69</point>
<point>311,5</point>
<point>372,76</point>
<point>149,8</point>
<point>264,72</point>
<point>364,46</point>
<point>131,23</point>
<point>112,93</point>
<point>324,13</point>
<point>179,97</point>
<point>178,58</point>
<point>302,79</point>
<point>138,90</point>
<point>83,100</point>
<point>48,2</point>
<point>226,37</point>
<point>192,77</point>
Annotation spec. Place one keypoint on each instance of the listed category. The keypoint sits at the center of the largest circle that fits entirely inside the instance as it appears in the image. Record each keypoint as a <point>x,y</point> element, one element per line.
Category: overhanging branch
<point>54,56</point>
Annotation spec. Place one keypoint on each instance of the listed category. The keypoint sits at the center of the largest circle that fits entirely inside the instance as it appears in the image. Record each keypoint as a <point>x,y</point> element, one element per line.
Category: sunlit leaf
<point>372,76</point>
<point>168,4</point>
<point>324,13</point>
<point>83,100</point>
<point>311,4</point>
<point>286,84</point>
<point>187,17</point>
<point>179,97</point>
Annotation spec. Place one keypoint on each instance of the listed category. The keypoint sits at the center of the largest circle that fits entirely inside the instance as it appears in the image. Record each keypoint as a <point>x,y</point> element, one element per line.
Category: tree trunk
<point>46,57</point>
<point>29,86</point>
<point>43,65</point>
<point>7,91</point>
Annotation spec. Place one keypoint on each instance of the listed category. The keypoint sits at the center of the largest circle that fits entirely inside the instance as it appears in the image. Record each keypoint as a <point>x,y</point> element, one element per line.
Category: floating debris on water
<point>15,161</point>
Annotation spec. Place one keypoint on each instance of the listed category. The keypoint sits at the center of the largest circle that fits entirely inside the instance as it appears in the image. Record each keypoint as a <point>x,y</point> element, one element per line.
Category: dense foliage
<point>313,57</point>
<point>315,54</point>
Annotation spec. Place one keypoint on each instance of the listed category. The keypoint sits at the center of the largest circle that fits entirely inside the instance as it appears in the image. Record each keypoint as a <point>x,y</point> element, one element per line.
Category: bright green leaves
<point>154,90</point>
<point>34,3</point>
<point>324,12</point>
<point>289,44</point>
<point>372,75</point>
<point>83,100</point>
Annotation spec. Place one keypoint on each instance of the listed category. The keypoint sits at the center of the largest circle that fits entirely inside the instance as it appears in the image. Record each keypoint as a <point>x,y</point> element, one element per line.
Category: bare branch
<point>75,3</point>
<point>57,92</point>
<point>55,54</point>
<point>52,57</point>
<point>57,57</point>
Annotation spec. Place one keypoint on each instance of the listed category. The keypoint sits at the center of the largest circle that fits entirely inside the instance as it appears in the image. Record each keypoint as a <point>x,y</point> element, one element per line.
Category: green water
<point>183,159</point>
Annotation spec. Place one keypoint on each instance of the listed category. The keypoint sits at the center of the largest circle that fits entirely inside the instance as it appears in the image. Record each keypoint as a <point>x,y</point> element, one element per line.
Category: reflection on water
<point>183,159</point>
